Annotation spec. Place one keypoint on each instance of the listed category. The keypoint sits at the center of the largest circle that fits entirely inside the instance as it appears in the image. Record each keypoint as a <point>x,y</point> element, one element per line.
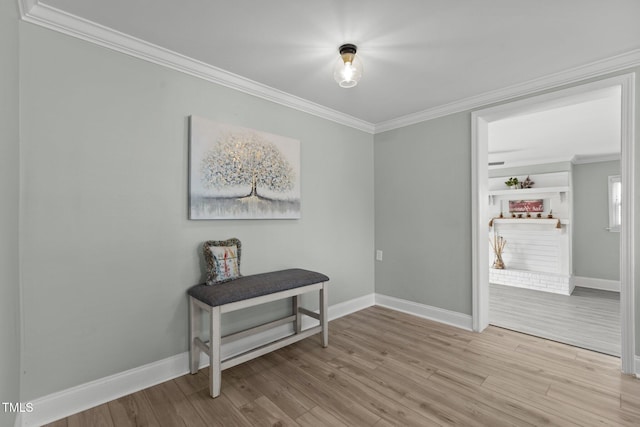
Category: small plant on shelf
<point>512,182</point>
<point>527,183</point>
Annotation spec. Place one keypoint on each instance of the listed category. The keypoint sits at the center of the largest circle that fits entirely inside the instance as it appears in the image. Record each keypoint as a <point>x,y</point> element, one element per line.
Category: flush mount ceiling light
<point>348,69</point>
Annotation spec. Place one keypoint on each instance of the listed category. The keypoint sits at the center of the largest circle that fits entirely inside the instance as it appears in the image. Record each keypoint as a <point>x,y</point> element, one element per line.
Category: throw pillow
<point>223,260</point>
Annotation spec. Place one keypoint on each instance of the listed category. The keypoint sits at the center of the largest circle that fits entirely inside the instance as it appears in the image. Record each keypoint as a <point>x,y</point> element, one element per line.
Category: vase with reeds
<point>498,245</point>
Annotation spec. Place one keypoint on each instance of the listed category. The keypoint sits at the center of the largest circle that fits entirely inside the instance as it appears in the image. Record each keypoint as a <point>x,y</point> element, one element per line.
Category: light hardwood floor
<point>588,318</point>
<point>386,368</point>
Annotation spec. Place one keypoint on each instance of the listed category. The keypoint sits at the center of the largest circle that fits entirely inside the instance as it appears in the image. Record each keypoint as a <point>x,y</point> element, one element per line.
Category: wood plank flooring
<point>589,318</point>
<point>386,368</point>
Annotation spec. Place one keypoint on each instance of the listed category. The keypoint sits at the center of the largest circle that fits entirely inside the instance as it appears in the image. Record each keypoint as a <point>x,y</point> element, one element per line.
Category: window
<point>615,209</point>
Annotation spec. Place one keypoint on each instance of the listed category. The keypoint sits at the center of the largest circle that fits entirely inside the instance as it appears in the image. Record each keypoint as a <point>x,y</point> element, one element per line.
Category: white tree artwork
<point>240,173</point>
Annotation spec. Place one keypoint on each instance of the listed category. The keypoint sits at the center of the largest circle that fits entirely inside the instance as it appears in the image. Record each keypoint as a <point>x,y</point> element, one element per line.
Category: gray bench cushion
<point>255,285</point>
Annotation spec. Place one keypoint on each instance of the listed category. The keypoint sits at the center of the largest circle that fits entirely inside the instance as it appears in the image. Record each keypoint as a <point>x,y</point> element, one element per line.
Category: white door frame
<point>480,178</point>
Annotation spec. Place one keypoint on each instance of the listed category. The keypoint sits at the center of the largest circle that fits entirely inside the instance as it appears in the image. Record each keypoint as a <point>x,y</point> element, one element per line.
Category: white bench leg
<point>215,372</point>
<point>324,318</point>
<point>194,332</point>
<point>297,324</point>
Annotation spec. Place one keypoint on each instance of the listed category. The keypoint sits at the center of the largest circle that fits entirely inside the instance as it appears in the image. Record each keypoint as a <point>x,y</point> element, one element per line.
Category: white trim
<point>529,162</point>
<point>573,75</point>
<point>341,309</point>
<point>480,280</point>
<point>76,399</point>
<point>351,306</point>
<point>480,215</point>
<point>637,366</point>
<point>66,23</point>
<point>49,17</point>
<point>627,235</point>
<point>582,160</point>
<point>592,283</point>
<point>459,320</point>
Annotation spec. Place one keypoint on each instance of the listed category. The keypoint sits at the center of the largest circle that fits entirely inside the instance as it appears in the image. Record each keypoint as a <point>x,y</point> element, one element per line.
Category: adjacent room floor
<point>589,318</point>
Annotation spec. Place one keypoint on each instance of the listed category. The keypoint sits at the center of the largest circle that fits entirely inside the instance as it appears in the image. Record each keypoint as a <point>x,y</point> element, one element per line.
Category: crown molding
<point>55,19</point>
<point>573,75</point>
<point>596,158</point>
<point>575,159</point>
<point>49,17</point>
<point>532,162</point>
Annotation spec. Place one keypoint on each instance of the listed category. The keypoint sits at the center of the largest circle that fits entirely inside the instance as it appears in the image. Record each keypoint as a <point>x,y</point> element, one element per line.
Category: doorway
<point>481,121</point>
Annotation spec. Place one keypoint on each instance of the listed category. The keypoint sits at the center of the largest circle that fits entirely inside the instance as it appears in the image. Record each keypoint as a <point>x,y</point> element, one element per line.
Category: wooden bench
<point>247,291</point>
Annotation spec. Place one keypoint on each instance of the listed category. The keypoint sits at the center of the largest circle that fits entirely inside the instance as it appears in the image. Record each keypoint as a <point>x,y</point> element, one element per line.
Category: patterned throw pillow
<point>223,260</point>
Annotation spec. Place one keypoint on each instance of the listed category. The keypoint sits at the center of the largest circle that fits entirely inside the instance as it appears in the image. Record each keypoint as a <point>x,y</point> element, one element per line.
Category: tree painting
<point>247,160</point>
<point>240,173</point>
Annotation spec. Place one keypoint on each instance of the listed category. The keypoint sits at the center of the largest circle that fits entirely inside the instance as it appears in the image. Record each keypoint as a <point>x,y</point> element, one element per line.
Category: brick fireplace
<point>538,251</point>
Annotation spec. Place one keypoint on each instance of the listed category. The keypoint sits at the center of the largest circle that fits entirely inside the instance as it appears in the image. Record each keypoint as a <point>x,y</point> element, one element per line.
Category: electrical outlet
<point>379,255</point>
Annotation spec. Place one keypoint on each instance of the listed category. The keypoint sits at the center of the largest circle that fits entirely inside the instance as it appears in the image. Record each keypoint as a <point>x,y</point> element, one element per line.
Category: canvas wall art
<point>241,173</point>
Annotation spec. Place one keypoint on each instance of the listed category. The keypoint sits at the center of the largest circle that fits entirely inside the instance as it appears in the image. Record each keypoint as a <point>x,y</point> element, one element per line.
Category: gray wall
<point>9,190</point>
<point>107,250</point>
<point>596,251</point>
<point>423,212</point>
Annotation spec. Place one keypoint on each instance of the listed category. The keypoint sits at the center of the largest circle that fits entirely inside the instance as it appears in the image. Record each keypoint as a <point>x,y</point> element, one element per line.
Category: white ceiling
<point>580,128</point>
<point>418,54</point>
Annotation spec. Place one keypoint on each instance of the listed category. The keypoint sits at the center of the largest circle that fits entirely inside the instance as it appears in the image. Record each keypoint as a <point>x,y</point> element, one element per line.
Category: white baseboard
<point>76,399</point>
<point>344,308</point>
<point>637,366</point>
<point>603,284</point>
<point>459,320</point>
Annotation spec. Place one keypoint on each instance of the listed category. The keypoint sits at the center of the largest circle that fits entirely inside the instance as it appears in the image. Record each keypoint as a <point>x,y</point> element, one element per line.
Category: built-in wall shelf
<point>545,185</point>
<point>526,191</point>
<point>523,193</point>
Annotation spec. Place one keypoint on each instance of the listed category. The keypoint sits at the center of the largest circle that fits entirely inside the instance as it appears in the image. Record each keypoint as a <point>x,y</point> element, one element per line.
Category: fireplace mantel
<point>551,221</point>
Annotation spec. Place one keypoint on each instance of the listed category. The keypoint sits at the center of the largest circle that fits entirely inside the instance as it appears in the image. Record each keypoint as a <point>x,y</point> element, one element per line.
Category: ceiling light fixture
<point>348,69</point>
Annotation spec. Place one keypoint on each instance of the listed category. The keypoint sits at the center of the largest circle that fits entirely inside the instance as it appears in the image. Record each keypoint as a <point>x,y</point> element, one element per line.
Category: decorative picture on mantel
<point>241,173</point>
<point>526,205</point>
